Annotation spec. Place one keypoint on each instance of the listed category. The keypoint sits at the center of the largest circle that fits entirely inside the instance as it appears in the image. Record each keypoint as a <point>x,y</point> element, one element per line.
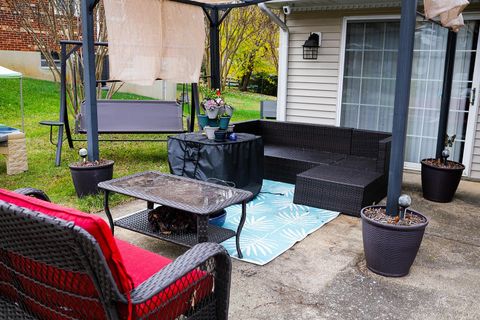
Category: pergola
<point>216,13</point>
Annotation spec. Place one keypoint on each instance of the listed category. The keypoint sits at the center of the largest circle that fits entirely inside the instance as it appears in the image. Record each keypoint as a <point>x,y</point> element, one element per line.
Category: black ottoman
<point>339,189</point>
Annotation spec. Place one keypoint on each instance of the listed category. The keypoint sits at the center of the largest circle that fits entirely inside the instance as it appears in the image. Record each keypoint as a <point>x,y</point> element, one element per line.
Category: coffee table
<point>198,197</point>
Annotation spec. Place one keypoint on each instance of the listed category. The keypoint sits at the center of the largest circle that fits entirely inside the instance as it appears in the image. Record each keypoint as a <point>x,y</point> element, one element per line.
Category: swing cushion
<point>135,116</point>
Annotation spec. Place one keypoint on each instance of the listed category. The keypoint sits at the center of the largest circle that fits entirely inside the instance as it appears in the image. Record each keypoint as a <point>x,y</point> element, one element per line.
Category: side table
<point>237,163</point>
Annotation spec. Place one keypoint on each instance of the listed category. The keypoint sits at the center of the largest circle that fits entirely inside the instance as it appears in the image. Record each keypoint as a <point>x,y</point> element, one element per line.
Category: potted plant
<point>216,110</point>
<point>87,174</point>
<point>391,243</point>
<point>210,131</point>
<point>440,177</point>
<point>202,121</point>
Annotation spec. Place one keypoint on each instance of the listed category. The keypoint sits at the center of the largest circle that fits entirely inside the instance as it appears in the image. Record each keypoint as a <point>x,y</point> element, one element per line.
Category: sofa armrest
<point>383,158</point>
<point>207,257</point>
<point>250,126</point>
<point>32,192</point>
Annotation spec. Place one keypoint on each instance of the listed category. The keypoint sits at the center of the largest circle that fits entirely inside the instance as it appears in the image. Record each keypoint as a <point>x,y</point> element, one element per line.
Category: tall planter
<point>87,177</point>
<point>390,249</point>
<point>439,184</point>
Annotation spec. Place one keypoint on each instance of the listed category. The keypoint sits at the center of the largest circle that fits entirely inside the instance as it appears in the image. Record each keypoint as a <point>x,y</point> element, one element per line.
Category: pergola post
<point>402,97</point>
<point>214,49</point>
<point>89,79</point>
<point>446,91</point>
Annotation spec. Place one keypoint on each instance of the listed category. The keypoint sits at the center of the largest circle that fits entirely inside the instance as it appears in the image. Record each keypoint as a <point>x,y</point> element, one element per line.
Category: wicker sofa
<point>333,168</point>
<point>60,263</point>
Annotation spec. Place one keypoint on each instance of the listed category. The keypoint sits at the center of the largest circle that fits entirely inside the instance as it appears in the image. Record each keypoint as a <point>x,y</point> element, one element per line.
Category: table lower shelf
<point>138,222</point>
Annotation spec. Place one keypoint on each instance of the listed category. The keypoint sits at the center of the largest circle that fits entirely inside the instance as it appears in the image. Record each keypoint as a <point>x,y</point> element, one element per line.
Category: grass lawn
<point>42,102</point>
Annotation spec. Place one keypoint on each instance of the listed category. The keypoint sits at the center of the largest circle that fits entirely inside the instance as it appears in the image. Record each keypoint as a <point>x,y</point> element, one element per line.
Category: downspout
<point>282,62</point>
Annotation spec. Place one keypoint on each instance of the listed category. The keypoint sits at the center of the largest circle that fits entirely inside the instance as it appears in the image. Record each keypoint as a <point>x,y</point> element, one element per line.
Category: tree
<point>245,34</point>
<point>48,22</point>
<point>257,54</point>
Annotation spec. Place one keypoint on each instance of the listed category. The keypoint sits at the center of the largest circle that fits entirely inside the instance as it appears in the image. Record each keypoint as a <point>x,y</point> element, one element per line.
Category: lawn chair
<point>60,263</point>
<point>268,109</point>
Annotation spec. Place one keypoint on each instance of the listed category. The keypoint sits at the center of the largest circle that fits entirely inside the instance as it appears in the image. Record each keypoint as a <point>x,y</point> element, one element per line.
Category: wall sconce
<point>310,47</point>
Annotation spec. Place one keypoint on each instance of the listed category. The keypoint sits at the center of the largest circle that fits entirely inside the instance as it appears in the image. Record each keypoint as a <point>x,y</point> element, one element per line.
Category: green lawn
<point>42,103</point>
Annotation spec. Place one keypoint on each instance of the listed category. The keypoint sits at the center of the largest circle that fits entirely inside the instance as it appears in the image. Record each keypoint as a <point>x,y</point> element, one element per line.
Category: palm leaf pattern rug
<point>274,223</point>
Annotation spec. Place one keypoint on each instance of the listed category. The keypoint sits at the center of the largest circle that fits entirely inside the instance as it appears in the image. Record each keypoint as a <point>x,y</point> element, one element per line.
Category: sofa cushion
<point>357,163</point>
<point>142,264</point>
<point>93,224</point>
<point>302,154</point>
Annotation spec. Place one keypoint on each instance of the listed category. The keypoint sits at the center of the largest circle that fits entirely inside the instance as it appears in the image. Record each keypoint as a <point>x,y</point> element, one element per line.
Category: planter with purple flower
<point>218,112</point>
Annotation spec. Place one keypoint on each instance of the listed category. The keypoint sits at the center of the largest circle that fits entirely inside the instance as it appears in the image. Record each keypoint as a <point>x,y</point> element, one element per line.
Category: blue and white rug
<point>274,223</point>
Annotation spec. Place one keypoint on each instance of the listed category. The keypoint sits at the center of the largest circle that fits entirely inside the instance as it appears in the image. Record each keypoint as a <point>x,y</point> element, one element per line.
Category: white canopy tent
<point>10,74</point>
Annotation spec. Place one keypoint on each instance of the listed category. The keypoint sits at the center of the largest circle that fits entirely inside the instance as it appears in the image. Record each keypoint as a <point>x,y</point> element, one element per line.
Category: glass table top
<point>178,192</point>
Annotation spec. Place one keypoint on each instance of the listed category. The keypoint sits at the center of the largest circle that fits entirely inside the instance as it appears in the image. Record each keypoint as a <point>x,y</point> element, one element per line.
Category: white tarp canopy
<point>10,74</point>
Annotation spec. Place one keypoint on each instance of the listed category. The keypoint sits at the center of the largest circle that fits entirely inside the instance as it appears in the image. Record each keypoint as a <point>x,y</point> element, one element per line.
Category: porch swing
<point>117,116</point>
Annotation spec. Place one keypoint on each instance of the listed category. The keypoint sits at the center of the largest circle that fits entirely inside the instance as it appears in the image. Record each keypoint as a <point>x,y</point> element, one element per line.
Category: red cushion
<point>93,224</point>
<point>142,264</point>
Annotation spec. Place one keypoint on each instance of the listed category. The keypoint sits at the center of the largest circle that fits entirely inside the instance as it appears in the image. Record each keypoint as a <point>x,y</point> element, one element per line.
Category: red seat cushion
<point>93,224</point>
<point>175,299</point>
<point>140,263</point>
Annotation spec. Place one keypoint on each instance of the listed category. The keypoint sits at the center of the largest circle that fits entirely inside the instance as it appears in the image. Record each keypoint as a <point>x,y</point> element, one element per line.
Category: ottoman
<point>340,189</point>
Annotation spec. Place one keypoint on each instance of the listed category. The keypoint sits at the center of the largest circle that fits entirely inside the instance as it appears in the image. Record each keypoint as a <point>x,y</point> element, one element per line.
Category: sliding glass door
<point>371,51</point>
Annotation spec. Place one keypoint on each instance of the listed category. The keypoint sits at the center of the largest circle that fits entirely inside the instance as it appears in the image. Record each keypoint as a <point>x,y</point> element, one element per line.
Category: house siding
<point>475,166</point>
<point>312,85</point>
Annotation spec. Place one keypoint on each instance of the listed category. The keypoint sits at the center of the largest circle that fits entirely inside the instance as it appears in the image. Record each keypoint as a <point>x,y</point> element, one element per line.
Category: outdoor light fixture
<point>310,47</point>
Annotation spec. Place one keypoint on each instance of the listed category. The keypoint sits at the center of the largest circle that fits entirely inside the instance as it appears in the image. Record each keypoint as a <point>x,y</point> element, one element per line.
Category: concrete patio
<point>325,277</point>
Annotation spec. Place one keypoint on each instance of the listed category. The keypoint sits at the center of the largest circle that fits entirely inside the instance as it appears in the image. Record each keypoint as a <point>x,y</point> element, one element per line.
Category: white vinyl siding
<point>312,85</point>
<point>475,168</point>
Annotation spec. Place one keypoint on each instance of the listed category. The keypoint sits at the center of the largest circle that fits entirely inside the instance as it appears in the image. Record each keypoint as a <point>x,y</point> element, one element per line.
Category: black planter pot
<point>390,249</point>
<point>86,178</point>
<point>440,184</point>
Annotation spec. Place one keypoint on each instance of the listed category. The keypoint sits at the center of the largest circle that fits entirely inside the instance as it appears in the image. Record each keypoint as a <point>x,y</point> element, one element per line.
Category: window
<point>369,82</point>
<point>44,61</point>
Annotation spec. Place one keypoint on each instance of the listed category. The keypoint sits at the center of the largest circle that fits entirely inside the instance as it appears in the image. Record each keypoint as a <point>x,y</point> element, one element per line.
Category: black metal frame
<point>446,91</point>
<point>400,110</point>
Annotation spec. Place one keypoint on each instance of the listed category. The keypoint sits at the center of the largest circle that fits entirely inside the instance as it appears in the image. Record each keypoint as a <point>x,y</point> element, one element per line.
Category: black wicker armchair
<point>50,268</point>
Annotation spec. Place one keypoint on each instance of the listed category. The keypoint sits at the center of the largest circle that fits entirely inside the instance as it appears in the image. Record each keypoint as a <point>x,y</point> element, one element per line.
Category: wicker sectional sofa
<point>333,168</point>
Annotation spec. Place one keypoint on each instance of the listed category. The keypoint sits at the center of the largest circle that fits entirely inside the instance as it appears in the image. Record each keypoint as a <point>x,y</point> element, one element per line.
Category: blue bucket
<point>218,220</point>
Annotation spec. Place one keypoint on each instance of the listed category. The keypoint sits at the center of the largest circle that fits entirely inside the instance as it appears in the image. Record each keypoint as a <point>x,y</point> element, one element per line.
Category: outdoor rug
<point>274,223</point>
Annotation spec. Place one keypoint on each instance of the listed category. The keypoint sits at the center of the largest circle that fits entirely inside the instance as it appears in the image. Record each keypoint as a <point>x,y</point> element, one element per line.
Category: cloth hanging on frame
<point>450,12</point>
<point>154,39</point>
